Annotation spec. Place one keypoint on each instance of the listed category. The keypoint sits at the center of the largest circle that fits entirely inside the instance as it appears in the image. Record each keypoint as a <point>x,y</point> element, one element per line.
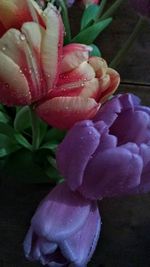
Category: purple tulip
<point>141,6</point>
<point>64,229</point>
<point>110,155</point>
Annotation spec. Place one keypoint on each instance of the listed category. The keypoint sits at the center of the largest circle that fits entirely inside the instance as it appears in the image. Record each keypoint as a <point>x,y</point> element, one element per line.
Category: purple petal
<point>36,247</point>
<point>111,173</point>
<point>75,151</point>
<point>132,127</point>
<point>79,248</point>
<point>129,101</point>
<point>61,214</point>
<point>107,141</point>
<point>109,111</point>
<point>144,186</point>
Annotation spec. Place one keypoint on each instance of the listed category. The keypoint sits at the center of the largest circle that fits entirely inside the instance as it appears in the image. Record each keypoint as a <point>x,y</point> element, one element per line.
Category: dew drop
<point>22,37</point>
<point>4,48</point>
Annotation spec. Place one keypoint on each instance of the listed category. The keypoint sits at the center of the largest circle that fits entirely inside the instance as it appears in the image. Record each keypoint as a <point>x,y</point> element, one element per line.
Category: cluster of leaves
<point>17,156</point>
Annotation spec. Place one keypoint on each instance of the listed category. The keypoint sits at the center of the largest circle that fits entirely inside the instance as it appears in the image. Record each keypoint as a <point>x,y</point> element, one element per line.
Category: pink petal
<point>89,89</point>
<point>16,46</point>
<point>99,65</point>
<point>13,13</point>
<point>52,42</point>
<point>114,83</point>
<point>73,56</point>
<point>83,73</point>
<point>63,112</point>
<point>14,89</point>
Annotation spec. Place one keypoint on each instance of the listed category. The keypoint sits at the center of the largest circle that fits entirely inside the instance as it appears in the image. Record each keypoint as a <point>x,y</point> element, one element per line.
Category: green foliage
<point>95,52</point>
<point>28,167</point>
<point>88,35</point>
<point>89,15</point>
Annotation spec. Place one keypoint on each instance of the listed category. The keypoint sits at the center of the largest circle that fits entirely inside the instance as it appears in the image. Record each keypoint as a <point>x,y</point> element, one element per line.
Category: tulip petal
<point>61,214</point>
<point>115,171</point>
<point>73,56</point>
<point>83,73</point>
<point>144,186</point>
<point>64,112</point>
<point>99,65</point>
<point>89,89</point>
<point>14,13</point>
<point>109,112</point>
<point>140,133</point>
<point>80,247</point>
<point>114,83</point>
<point>52,43</point>
<point>34,34</point>
<point>87,138</point>
<point>14,89</point>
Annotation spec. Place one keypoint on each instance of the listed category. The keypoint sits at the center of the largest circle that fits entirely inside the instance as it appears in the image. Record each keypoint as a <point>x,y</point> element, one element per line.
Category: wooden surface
<point>125,236</point>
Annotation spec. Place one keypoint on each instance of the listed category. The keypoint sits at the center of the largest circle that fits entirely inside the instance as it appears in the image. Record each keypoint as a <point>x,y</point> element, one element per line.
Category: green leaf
<point>4,117</point>
<point>8,150</point>
<point>54,175</point>
<point>50,146</point>
<point>42,130</point>
<point>22,120</point>
<point>54,136</point>
<point>23,141</point>
<point>7,145</point>
<point>95,52</point>
<point>7,130</point>
<point>88,35</point>
<point>26,166</point>
<point>89,15</point>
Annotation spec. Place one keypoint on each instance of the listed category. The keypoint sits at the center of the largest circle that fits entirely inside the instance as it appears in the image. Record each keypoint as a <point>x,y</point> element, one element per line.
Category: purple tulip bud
<point>110,155</point>
<point>64,229</point>
<point>141,6</point>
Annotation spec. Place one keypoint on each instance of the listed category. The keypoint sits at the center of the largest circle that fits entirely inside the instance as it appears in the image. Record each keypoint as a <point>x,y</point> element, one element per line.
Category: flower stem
<point>35,129</point>
<point>112,9</point>
<point>123,51</point>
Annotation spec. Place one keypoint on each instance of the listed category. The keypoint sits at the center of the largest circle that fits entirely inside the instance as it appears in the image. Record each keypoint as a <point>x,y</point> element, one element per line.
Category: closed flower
<point>64,230</point>
<point>110,155</point>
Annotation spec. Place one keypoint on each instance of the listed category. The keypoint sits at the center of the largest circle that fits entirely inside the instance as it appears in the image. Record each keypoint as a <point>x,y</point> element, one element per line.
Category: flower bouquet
<point>63,123</point>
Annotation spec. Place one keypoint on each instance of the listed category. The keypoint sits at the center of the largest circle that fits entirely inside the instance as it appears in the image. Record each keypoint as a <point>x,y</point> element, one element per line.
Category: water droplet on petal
<point>22,37</point>
<point>4,48</point>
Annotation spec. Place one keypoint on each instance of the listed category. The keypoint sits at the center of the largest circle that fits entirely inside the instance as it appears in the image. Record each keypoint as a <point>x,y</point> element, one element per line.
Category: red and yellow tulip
<point>84,83</point>
<point>64,84</point>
